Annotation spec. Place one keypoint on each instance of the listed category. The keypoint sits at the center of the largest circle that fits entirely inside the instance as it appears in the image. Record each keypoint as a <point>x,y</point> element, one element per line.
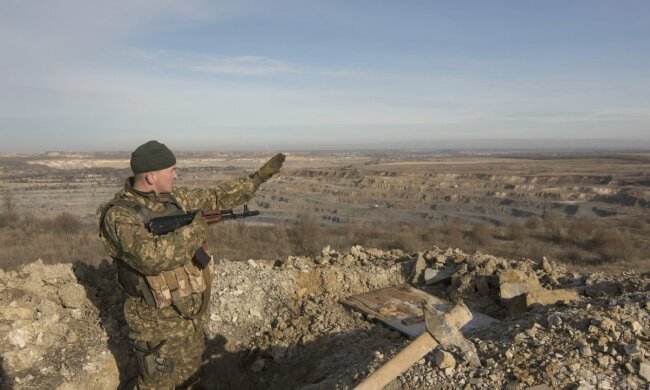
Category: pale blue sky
<point>208,75</point>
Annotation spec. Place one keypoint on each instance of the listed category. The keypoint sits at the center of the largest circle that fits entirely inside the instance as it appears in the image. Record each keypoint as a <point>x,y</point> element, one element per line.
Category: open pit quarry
<point>280,324</point>
<point>345,187</point>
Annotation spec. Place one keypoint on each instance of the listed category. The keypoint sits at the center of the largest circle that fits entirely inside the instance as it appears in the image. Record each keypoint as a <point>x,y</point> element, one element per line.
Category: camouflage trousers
<point>168,345</point>
<point>165,364</point>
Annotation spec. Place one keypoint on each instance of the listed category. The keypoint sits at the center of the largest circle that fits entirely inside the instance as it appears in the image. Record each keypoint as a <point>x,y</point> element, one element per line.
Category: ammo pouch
<point>177,283</point>
<point>164,289</point>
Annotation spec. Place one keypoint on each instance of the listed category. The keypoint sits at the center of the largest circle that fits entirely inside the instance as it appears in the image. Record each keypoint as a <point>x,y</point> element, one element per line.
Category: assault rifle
<point>164,225</point>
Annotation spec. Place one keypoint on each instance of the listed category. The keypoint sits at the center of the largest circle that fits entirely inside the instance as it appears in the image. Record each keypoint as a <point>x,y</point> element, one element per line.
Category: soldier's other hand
<point>271,167</point>
<point>199,226</point>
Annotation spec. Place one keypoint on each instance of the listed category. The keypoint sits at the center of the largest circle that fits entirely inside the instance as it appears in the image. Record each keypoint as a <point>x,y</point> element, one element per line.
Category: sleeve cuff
<point>257,179</point>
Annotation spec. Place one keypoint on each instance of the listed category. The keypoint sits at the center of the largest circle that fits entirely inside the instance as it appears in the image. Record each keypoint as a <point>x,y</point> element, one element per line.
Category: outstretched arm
<point>231,193</point>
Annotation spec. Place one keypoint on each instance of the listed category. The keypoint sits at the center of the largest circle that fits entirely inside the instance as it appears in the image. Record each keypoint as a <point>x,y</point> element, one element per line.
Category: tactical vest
<point>167,288</point>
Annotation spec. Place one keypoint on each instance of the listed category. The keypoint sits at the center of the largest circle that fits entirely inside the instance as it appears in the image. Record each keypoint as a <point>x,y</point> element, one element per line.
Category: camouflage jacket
<point>125,237</point>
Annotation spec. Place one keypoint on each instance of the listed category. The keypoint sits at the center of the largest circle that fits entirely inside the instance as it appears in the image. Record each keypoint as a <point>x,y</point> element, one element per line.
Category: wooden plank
<point>400,308</point>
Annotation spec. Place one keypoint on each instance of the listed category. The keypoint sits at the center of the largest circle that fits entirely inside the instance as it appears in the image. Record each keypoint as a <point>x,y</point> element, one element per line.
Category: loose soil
<point>278,324</point>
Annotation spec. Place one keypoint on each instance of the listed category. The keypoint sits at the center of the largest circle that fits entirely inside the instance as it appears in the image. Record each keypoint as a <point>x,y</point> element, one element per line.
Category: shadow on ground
<point>104,293</point>
<point>333,360</point>
<point>5,382</point>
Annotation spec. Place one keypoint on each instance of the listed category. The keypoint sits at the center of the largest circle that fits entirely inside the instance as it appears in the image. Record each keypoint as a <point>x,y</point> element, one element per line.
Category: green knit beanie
<point>151,156</point>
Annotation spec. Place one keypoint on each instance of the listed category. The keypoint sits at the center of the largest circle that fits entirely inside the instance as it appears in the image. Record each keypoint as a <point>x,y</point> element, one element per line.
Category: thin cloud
<point>263,66</point>
<point>248,66</point>
<point>244,65</point>
<point>146,55</point>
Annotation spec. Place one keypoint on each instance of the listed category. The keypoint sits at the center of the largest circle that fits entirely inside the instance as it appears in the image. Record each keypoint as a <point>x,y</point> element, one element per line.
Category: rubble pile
<point>52,334</point>
<point>279,324</point>
<point>577,331</point>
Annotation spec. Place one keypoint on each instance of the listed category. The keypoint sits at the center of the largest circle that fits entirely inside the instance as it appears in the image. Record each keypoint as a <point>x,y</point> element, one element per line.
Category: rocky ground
<point>278,324</point>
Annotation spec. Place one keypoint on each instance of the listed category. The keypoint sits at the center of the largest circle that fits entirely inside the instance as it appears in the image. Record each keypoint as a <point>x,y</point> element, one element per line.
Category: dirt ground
<point>279,324</point>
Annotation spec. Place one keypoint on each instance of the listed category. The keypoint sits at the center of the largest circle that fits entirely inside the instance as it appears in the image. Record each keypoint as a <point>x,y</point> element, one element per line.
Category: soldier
<point>167,293</point>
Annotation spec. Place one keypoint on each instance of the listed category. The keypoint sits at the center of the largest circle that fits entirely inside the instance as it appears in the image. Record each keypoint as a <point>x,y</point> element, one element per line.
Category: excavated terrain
<point>278,324</point>
<point>344,187</point>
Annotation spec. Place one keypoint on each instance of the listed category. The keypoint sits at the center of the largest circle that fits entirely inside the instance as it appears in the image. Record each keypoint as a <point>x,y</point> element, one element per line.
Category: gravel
<point>278,324</point>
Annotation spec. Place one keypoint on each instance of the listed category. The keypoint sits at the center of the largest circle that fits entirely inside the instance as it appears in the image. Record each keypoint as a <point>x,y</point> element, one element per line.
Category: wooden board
<point>400,308</point>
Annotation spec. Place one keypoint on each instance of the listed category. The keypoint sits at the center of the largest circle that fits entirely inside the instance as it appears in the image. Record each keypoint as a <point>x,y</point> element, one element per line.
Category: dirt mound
<point>279,324</point>
<point>58,327</point>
